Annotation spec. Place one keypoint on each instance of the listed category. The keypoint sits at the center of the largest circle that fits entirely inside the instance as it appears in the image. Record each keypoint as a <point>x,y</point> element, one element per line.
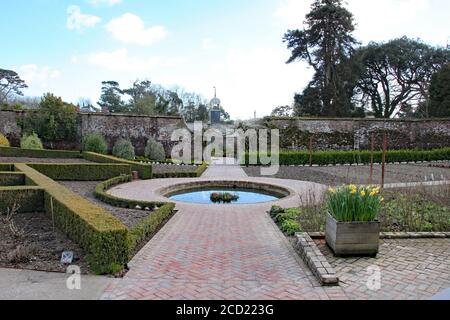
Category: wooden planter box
<point>353,238</point>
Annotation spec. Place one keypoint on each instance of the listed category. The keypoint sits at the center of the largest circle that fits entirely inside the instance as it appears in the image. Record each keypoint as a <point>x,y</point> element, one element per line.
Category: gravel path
<point>40,160</point>
<point>86,189</point>
<point>166,168</point>
<point>395,173</point>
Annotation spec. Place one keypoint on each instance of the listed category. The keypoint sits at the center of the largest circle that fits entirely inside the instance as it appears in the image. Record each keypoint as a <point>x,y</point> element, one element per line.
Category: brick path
<point>237,252</point>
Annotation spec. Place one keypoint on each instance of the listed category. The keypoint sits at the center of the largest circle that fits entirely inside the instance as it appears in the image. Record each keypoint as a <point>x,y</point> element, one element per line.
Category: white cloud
<point>36,76</point>
<point>79,21</point>
<point>104,2</point>
<point>208,44</point>
<point>131,29</point>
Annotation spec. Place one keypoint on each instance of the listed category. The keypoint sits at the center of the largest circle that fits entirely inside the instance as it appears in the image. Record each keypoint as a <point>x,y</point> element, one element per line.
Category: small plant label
<point>67,257</point>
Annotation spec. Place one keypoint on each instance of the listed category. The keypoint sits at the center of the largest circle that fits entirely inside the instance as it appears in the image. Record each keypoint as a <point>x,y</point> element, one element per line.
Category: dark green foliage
<point>28,198</point>
<point>282,111</point>
<point>150,224</point>
<point>81,172</point>
<point>286,219</point>
<point>31,142</point>
<point>111,98</point>
<point>55,120</point>
<point>6,167</point>
<point>439,105</point>
<point>25,153</point>
<point>144,169</point>
<point>8,179</point>
<point>95,142</point>
<point>103,236</point>
<point>124,149</point>
<point>358,157</point>
<point>326,44</point>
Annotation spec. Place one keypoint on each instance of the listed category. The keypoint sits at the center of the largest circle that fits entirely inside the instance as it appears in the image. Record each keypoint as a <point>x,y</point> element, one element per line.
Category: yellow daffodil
<point>332,190</point>
<point>382,199</point>
<point>363,193</point>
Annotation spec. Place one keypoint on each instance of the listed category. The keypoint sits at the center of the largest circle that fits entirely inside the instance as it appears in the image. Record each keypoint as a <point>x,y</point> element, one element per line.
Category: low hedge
<point>145,170</point>
<point>29,153</point>
<point>356,157</point>
<point>6,167</point>
<point>150,224</point>
<point>8,179</point>
<point>104,238</point>
<point>81,172</point>
<point>29,199</point>
<point>182,174</point>
<point>102,195</point>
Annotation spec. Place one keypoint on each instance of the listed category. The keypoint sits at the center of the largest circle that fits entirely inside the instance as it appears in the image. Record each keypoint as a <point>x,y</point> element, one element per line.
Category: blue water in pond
<point>245,196</point>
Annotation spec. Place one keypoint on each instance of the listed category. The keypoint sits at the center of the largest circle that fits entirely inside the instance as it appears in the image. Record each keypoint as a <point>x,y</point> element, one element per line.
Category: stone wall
<point>350,134</point>
<point>113,127</point>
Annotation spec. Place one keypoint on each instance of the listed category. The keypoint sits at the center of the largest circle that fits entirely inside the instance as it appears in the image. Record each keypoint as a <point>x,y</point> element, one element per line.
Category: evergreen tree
<point>440,93</point>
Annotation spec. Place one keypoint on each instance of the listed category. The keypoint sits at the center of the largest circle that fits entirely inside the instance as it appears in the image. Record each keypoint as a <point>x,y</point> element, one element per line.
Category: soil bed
<point>42,245</point>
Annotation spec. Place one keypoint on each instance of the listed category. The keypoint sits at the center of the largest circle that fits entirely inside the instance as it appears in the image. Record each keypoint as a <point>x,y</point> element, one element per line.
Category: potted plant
<point>352,226</point>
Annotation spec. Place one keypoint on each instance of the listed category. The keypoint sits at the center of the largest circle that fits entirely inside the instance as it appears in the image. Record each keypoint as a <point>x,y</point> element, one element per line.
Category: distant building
<point>215,113</point>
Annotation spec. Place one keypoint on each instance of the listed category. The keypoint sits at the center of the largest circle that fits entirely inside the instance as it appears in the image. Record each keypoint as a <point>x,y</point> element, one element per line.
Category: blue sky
<point>69,47</point>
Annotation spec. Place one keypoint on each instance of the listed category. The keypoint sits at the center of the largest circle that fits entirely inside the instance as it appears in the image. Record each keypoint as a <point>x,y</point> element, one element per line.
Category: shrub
<point>155,150</point>
<point>4,141</point>
<point>11,179</point>
<point>145,170</point>
<point>290,227</point>
<point>30,198</point>
<point>54,120</point>
<point>224,197</point>
<point>124,149</point>
<point>94,142</point>
<point>352,203</point>
<point>31,142</point>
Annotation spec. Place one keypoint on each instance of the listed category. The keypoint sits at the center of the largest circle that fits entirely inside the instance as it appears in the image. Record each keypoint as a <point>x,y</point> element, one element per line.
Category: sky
<point>68,47</point>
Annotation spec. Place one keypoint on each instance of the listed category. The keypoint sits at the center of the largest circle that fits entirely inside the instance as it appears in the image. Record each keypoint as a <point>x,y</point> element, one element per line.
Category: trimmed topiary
<point>31,142</point>
<point>124,149</point>
<point>95,142</point>
<point>3,141</point>
<point>155,150</point>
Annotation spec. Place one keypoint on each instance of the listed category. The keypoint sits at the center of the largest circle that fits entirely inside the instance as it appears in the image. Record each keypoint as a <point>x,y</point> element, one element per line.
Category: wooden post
<point>383,160</point>
<point>372,150</point>
<point>311,151</point>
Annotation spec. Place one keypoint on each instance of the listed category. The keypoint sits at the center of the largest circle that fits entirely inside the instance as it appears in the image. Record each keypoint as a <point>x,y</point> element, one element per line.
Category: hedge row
<point>356,157</point>
<point>81,172</point>
<point>150,224</point>
<point>8,179</point>
<point>145,170</point>
<point>6,167</point>
<point>29,199</point>
<point>182,174</point>
<point>102,195</point>
<point>29,153</point>
<point>104,238</point>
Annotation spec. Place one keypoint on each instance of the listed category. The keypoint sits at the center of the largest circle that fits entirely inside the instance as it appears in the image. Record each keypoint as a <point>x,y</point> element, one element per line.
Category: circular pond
<point>225,192</point>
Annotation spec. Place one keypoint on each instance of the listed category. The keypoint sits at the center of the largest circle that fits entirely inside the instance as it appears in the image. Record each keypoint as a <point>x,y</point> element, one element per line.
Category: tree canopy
<point>440,93</point>
<point>10,85</point>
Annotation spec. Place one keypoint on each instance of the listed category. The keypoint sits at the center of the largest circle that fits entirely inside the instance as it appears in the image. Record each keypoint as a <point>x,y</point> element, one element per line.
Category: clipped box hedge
<point>81,172</point>
<point>29,153</point>
<point>6,167</point>
<point>103,236</point>
<point>28,198</point>
<point>102,195</point>
<point>11,179</point>
<point>145,170</point>
<point>356,157</point>
<point>182,174</point>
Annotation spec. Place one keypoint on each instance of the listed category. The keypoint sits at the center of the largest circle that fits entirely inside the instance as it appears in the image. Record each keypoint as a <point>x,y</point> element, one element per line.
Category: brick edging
<point>316,261</point>
<point>397,235</point>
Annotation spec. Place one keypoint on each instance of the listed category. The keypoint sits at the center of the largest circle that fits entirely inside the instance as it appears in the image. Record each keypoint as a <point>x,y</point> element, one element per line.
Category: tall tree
<point>282,111</point>
<point>439,106</point>
<point>10,85</point>
<point>111,97</point>
<point>395,75</point>
<point>326,44</point>
<point>143,99</point>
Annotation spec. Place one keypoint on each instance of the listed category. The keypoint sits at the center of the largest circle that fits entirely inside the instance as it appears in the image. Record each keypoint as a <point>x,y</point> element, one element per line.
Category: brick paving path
<point>237,252</point>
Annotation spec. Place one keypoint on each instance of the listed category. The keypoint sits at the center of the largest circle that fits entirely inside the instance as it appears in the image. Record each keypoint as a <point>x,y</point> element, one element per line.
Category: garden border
<point>45,153</point>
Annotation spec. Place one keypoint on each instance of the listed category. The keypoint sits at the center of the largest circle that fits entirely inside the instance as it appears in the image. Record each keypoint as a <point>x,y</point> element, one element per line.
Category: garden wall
<point>350,134</point>
<point>136,128</point>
